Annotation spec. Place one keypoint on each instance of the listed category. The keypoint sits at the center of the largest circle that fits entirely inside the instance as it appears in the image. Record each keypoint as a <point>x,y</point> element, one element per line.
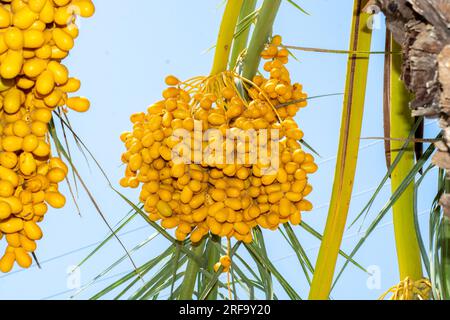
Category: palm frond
<point>366,209</point>
<point>142,270</point>
<point>122,225</point>
<point>209,288</point>
<point>213,254</point>
<point>298,7</point>
<point>115,264</point>
<point>163,276</point>
<point>261,257</point>
<point>60,147</point>
<point>296,246</point>
<point>419,234</point>
<point>336,51</point>
<point>266,276</point>
<point>318,236</point>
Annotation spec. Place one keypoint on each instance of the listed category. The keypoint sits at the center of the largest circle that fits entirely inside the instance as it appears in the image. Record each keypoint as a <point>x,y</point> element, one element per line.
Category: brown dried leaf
<point>442,160</point>
<point>445,204</point>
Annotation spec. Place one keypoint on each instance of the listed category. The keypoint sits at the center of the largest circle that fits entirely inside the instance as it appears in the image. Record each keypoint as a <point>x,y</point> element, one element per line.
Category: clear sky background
<point>122,56</point>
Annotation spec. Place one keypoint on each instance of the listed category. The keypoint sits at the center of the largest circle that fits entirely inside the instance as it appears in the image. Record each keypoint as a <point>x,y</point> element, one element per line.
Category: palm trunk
<point>421,28</point>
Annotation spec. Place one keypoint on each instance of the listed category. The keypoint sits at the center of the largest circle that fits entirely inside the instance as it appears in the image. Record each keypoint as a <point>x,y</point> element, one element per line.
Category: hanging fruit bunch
<point>204,193</point>
<point>35,36</point>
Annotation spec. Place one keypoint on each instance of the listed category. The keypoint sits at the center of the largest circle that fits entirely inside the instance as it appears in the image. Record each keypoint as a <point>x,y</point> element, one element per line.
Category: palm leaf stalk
<point>241,40</point>
<point>260,37</point>
<point>407,244</point>
<point>213,254</point>
<point>226,35</point>
<point>190,276</point>
<point>352,117</point>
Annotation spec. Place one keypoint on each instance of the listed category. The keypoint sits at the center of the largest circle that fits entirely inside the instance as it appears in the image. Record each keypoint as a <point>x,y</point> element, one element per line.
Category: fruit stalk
<point>192,269</point>
<point>240,42</point>
<point>260,37</point>
<point>213,255</point>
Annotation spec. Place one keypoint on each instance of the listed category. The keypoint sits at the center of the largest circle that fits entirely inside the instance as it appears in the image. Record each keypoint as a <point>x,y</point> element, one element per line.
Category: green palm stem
<point>226,36</point>
<point>407,244</point>
<point>213,254</point>
<point>190,275</point>
<point>352,116</point>
<point>260,37</point>
<point>240,41</point>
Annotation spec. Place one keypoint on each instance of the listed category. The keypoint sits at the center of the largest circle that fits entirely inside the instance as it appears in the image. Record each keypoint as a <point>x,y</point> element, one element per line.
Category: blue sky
<point>122,56</point>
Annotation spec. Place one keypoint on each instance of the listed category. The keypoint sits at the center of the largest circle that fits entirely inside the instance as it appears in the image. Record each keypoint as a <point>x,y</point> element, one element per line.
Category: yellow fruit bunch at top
<point>227,198</point>
<point>35,36</point>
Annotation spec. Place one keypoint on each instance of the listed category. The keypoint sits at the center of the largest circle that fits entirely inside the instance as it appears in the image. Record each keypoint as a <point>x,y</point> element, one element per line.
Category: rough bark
<point>445,204</point>
<point>422,27</point>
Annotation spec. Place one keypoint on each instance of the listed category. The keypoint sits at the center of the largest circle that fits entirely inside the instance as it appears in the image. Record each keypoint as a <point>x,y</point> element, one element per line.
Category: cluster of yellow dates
<point>35,35</point>
<point>225,198</point>
<point>224,262</point>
